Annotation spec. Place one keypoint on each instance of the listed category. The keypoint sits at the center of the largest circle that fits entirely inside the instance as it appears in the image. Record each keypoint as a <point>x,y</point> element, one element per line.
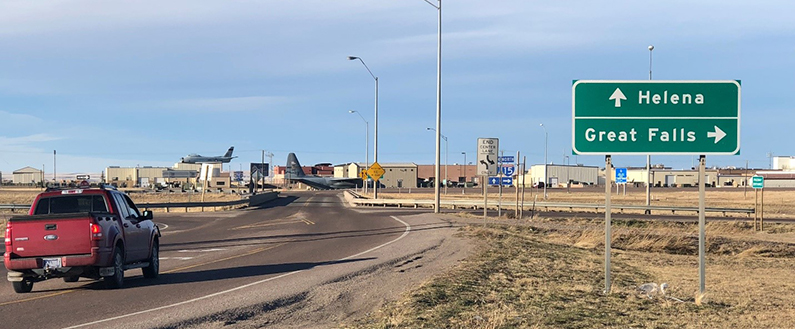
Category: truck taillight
<point>8,235</point>
<point>96,231</point>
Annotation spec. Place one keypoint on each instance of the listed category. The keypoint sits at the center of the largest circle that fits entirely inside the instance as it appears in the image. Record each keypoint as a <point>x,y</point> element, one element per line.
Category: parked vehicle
<point>95,233</point>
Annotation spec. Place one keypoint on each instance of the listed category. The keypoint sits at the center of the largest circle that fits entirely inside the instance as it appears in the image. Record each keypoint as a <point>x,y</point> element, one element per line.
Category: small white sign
<point>487,156</point>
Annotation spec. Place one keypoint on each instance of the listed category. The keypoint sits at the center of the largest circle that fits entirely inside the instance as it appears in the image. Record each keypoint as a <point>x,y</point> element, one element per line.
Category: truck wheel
<point>23,286</point>
<point>71,278</point>
<point>117,279</point>
<point>153,270</point>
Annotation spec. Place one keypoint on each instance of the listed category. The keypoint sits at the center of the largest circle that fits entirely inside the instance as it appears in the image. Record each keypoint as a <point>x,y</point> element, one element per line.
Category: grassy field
<point>550,274</point>
<point>778,203</point>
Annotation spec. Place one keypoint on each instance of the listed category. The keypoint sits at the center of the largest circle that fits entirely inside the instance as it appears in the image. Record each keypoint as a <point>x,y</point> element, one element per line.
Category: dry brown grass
<point>550,274</point>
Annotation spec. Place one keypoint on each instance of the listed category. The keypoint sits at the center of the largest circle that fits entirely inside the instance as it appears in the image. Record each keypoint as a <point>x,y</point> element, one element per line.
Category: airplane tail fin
<point>293,166</point>
<point>229,152</point>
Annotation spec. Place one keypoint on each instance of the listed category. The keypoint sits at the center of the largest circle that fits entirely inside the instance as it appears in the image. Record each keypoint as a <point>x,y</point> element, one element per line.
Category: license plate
<point>51,262</point>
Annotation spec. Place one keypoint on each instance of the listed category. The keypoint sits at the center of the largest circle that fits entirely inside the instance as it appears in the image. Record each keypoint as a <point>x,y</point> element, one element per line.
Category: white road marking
<point>177,258</point>
<point>202,250</point>
<point>406,232</point>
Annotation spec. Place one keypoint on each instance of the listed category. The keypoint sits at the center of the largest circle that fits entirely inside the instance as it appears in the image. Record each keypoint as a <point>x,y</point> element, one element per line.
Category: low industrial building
<point>395,174</point>
<point>785,163</point>
<point>28,175</point>
<point>181,174</point>
<point>455,174</point>
<point>559,175</point>
<point>778,179</point>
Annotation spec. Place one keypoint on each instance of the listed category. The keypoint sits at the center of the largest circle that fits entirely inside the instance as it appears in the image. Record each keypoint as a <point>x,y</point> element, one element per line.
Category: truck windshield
<point>64,204</point>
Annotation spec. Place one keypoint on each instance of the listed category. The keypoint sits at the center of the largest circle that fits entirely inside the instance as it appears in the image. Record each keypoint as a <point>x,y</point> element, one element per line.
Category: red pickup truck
<point>93,233</point>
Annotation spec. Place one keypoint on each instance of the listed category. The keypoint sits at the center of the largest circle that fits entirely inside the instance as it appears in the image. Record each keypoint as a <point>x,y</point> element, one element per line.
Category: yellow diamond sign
<point>375,172</point>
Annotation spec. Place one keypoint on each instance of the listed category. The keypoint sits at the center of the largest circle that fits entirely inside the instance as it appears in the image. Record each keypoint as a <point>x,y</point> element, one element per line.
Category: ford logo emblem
<point>50,237</point>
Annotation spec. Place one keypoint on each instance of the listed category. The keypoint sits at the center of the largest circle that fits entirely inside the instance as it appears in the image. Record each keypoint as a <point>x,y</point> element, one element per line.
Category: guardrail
<point>253,201</point>
<point>454,204</point>
<point>15,206</point>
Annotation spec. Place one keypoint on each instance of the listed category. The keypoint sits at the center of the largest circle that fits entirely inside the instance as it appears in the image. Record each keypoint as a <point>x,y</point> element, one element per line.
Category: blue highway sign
<point>506,159</point>
<point>508,170</point>
<point>621,175</point>
<point>496,180</point>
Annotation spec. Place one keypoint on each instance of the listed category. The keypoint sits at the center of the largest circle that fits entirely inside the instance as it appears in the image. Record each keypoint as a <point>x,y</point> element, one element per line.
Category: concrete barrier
<point>259,199</point>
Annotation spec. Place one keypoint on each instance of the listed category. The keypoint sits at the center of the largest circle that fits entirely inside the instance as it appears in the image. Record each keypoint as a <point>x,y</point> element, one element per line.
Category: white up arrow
<point>717,134</point>
<point>618,96</point>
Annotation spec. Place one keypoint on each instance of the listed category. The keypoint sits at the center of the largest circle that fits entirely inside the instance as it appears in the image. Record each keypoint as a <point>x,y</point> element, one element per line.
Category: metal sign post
<point>702,164</point>
<point>608,233</point>
<point>762,212</point>
<point>516,189</point>
<point>524,181</point>
<point>485,199</point>
<point>756,208</point>
<point>758,183</point>
<point>499,200</point>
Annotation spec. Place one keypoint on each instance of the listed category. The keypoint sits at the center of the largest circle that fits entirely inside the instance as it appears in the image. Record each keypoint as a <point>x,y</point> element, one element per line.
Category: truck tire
<point>116,281</point>
<point>71,278</point>
<point>153,270</point>
<point>23,286</point>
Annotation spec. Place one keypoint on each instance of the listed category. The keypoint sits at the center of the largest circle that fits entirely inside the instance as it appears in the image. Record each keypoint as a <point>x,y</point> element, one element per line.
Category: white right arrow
<point>618,96</point>
<point>717,134</point>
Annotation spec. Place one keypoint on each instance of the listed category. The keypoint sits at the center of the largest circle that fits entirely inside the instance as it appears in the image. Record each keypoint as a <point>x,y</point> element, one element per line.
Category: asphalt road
<point>214,262</point>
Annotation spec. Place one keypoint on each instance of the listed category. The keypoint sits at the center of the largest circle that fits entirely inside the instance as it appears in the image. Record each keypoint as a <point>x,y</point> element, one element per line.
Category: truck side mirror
<point>147,215</point>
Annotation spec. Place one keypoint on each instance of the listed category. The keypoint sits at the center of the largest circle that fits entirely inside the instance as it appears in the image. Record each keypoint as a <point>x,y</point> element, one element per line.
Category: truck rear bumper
<point>95,258</point>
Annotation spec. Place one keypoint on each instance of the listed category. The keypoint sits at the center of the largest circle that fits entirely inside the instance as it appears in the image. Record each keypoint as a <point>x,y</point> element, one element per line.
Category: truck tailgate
<point>51,235</point>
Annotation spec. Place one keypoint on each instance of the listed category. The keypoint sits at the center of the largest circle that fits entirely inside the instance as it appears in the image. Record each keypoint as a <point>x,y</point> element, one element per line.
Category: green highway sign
<point>757,182</point>
<point>656,117</point>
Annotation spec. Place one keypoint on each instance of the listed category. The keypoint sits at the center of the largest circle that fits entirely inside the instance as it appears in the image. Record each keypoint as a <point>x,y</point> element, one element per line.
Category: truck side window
<point>43,207</point>
<point>133,210</point>
<point>99,204</point>
<point>121,206</point>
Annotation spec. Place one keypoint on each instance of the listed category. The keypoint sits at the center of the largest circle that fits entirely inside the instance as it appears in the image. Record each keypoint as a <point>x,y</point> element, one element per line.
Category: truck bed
<point>51,235</point>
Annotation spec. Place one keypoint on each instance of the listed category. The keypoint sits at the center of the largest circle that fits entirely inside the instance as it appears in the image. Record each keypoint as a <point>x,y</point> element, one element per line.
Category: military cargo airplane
<point>195,158</point>
<point>296,174</point>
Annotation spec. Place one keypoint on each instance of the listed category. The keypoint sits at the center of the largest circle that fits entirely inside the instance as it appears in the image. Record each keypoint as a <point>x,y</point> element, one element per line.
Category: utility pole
<point>259,172</point>
<point>649,176</point>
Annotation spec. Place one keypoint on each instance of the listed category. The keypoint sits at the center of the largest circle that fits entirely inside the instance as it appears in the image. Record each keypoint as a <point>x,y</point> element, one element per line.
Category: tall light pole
<point>437,171</point>
<point>366,146</point>
<point>446,153</point>
<point>648,157</point>
<point>545,159</point>
<point>465,172</point>
<point>54,176</point>
<point>375,125</point>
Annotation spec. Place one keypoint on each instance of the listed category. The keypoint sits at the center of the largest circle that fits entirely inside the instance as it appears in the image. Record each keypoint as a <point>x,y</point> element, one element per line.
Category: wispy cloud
<point>16,119</point>
<point>27,140</point>
<point>230,104</point>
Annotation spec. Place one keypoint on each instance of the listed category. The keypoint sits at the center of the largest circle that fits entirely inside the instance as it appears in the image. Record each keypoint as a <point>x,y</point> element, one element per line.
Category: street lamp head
<point>351,111</point>
<point>352,58</point>
<point>541,125</point>
<point>429,128</point>
<point>651,47</point>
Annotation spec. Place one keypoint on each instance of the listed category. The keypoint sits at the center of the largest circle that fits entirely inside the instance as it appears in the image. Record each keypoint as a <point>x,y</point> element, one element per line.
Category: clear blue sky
<point>146,82</point>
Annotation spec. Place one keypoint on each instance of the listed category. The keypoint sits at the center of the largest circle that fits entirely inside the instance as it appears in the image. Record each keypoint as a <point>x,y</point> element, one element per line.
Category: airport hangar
<point>181,173</point>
